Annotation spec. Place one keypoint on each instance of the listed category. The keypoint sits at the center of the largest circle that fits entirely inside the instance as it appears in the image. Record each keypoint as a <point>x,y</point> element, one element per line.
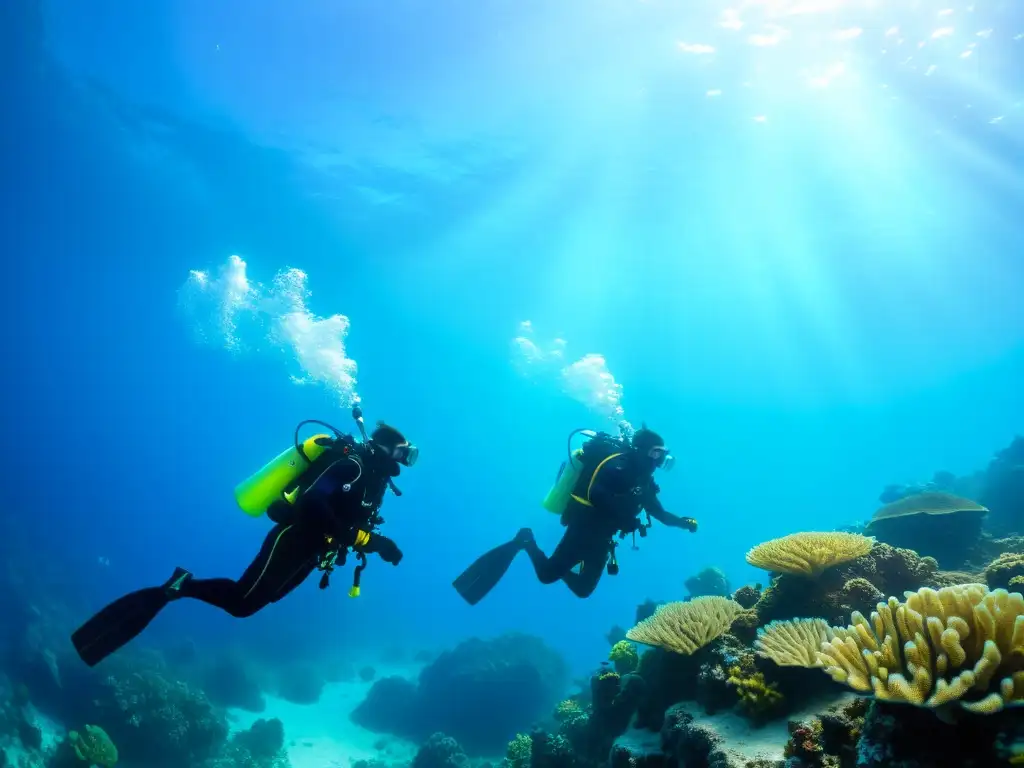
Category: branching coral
<point>808,554</point>
<point>757,698</point>
<point>683,627</point>
<point>624,656</point>
<point>940,647</point>
<point>519,751</point>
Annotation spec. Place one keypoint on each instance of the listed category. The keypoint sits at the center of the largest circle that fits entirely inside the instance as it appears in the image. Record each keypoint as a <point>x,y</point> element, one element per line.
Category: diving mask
<point>661,457</point>
<point>405,454</point>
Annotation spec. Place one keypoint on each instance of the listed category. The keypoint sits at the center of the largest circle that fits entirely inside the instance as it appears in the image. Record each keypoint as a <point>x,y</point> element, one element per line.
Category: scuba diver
<point>599,493</point>
<point>323,496</point>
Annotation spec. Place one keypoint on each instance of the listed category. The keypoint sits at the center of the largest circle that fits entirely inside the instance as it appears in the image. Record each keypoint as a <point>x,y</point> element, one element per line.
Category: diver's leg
<point>570,550</point>
<point>287,557</point>
<point>592,567</point>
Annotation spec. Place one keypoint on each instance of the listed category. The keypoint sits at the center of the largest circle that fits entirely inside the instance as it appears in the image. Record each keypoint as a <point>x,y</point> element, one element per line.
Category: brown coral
<point>747,596</point>
<point>1003,569</point>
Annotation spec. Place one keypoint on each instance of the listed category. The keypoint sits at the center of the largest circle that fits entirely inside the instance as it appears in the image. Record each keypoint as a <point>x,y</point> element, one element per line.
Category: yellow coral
<point>962,645</point>
<point>756,696</point>
<point>793,643</point>
<point>519,752</point>
<point>624,656</point>
<point>808,554</point>
<point>683,627</point>
<point>569,711</point>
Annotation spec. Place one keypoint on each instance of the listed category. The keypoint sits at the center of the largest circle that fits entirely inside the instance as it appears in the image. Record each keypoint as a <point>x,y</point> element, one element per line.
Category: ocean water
<point>786,236</point>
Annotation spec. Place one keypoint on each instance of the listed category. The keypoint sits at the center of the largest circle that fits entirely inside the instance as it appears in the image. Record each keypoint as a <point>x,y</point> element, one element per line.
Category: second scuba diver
<point>323,496</point>
<point>599,494</point>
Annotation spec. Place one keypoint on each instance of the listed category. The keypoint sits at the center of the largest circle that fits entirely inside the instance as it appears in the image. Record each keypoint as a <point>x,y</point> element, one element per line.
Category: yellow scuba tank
<point>260,490</point>
<point>560,492</point>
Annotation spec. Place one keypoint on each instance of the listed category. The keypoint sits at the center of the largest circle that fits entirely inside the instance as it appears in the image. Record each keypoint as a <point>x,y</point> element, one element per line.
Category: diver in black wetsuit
<point>335,510</point>
<point>615,485</point>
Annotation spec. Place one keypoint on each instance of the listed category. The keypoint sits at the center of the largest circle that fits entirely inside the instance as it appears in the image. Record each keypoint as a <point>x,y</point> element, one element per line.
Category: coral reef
<point>747,596</point>
<point>829,740</point>
<point>228,683</point>
<point>683,627</point>
<point>514,678</point>
<point>1001,571</point>
<point>519,752</point>
<point>709,582</point>
<point>261,746</point>
<point>958,645</point>
<point>440,751</point>
<point>158,720</point>
<point>907,737</point>
<point>758,699</point>
<point>624,657</point>
<point>808,554</point>
<point>851,587</point>
<point>935,524</point>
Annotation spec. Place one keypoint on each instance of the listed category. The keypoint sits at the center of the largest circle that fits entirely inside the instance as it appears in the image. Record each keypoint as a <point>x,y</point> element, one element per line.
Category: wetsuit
<point>619,491</point>
<point>336,510</point>
<point>607,501</point>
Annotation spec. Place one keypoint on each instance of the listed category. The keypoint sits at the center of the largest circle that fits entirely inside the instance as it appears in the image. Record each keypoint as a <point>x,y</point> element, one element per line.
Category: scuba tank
<point>569,473</point>
<point>278,478</point>
<point>271,482</point>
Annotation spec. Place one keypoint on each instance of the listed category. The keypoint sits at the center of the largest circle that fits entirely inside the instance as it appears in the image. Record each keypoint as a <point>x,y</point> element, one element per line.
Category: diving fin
<point>124,618</point>
<point>485,573</point>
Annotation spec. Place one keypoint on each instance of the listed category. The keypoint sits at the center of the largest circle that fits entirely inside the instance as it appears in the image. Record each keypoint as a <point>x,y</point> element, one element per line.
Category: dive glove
<point>385,547</point>
<point>689,524</point>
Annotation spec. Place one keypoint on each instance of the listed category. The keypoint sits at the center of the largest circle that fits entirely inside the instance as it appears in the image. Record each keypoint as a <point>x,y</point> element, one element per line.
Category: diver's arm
<point>653,507</point>
<point>371,543</point>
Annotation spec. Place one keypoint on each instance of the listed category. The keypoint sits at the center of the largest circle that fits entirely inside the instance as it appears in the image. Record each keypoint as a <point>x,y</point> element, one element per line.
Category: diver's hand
<point>386,548</point>
<point>688,523</point>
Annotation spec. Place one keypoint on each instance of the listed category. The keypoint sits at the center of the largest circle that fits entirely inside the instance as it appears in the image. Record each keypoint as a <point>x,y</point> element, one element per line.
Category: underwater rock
<point>263,740</point>
<point>390,707</point>
<point>710,581</point>
<point>690,744</point>
<point>228,683</point>
<point>638,749</point>
<point>646,609</point>
<point>828,740</point>
<point>440,751</point>
<point>896,734</point>
<point>747,596</point>
<point>1003,491</point>
<point>367,673</point>
<point>300,683</point>
<point>480,693</point>
<point>932,523</point>
<point>615,635</point>
<point>1001,571</point>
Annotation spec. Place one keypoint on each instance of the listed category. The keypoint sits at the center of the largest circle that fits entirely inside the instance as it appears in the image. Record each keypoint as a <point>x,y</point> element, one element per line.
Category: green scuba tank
<point>560,492</point>
<point>269,484</point>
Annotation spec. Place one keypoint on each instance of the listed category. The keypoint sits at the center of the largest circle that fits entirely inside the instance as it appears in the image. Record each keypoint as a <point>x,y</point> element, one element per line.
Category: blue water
<point>810,290</point>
